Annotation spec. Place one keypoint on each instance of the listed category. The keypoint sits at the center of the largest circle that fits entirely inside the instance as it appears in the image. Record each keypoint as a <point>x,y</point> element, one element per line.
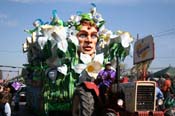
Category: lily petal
<point>93,69</point>
<point>79,68</point>
<point>99,58</point>
<point>62,69</point>
<point>126,39</point>
<point>85,58</point>
<point>42,41</point>
<point>62,45</point>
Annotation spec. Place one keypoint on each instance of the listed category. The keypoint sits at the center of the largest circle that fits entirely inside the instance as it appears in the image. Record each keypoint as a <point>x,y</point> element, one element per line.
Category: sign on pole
<point>144,49</point>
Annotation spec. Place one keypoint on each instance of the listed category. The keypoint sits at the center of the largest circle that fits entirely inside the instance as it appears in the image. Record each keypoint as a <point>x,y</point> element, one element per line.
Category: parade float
<point>56,73</point>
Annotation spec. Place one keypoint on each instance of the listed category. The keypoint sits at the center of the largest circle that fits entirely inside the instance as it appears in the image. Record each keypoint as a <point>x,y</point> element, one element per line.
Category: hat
<point>167,75</point>
<point>108,63</point>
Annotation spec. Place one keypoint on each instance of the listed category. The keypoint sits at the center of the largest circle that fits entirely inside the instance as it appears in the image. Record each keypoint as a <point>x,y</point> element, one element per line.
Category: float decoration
<point>55,45</point>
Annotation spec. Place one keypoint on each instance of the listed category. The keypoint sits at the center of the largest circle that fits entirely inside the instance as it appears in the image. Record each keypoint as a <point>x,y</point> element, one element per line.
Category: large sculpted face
<point>87,37</point>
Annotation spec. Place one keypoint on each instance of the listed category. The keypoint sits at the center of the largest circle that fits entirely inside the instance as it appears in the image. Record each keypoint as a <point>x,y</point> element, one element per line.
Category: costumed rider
<point>104,80</point>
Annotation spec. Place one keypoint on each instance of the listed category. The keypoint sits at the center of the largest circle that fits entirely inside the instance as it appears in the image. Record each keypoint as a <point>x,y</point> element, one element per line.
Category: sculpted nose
<point>89,39</point>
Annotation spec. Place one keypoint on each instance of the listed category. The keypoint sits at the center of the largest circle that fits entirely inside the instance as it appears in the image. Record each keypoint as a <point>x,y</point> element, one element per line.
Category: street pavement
<point>22,110</point>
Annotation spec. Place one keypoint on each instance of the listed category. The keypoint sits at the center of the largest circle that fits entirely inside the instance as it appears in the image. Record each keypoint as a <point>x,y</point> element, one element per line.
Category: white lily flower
<point>79,68</point>
<point>25,47</point>
<point>85,58</point>
<point>113,36</point>
<point>93,68</point>
<point>74,40</point>
<point>75,18</point>
<point>126,39</point>
<point>99,58</point>
<point>58,33</point>
<point>34,37</point>
<point>71,18</point>
<point>29,40</point>
<point>106,36</point>
<point>72,32</point>
<point>62,45</point>
<point>42,41</point>
<point>57,36</point>
<point>47,33</point>
<point>62,69</point>
<point>47,30</point>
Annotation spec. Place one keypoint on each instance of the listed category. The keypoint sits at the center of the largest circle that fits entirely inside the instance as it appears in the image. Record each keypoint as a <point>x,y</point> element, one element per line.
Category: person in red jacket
<point>125,79</point>
<point>166,86</point>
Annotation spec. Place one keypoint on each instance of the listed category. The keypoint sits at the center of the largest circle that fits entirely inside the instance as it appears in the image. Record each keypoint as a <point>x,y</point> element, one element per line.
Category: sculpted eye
<point>94,36</point>
<point>83,35</point>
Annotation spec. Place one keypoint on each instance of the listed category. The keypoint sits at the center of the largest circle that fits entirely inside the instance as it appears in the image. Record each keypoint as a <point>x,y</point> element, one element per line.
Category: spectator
<point>159,94</point>
<point>8,94</point>
<point>17,87</point>
<point>166,86</point>
<point>5,109</point>
<point>1,88</point>
<point>125,79</point>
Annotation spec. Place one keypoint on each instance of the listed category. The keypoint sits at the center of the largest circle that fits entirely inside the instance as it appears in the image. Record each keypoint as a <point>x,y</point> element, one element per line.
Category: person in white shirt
<point>5,109</point>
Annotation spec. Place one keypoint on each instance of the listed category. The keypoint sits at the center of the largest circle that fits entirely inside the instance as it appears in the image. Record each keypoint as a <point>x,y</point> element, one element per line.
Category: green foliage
<point>57,94</point>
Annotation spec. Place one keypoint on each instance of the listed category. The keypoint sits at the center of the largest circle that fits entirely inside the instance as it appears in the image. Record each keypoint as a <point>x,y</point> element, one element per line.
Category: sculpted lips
<point>87,48</point>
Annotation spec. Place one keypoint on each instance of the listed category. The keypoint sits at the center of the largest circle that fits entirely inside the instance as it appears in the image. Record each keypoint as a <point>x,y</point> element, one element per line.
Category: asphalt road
<point>22,110</point>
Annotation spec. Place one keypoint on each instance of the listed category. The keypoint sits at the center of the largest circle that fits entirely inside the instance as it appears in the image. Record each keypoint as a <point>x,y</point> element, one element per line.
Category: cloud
<point>4,20</point>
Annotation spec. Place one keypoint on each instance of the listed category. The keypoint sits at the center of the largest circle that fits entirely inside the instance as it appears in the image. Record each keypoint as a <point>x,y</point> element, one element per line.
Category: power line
<point>165,33</point>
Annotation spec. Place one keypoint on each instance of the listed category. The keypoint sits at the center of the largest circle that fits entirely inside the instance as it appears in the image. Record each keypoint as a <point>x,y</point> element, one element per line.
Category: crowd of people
<point>165,86</point>
<point>5,101</point>
<point>8,90</point>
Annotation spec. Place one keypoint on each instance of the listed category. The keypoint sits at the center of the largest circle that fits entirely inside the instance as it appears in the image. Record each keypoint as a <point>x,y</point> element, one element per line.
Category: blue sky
<point>143,17</point>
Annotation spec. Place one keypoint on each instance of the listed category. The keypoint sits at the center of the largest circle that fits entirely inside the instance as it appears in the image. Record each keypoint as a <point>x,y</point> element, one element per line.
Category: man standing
<point>166,86</point>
